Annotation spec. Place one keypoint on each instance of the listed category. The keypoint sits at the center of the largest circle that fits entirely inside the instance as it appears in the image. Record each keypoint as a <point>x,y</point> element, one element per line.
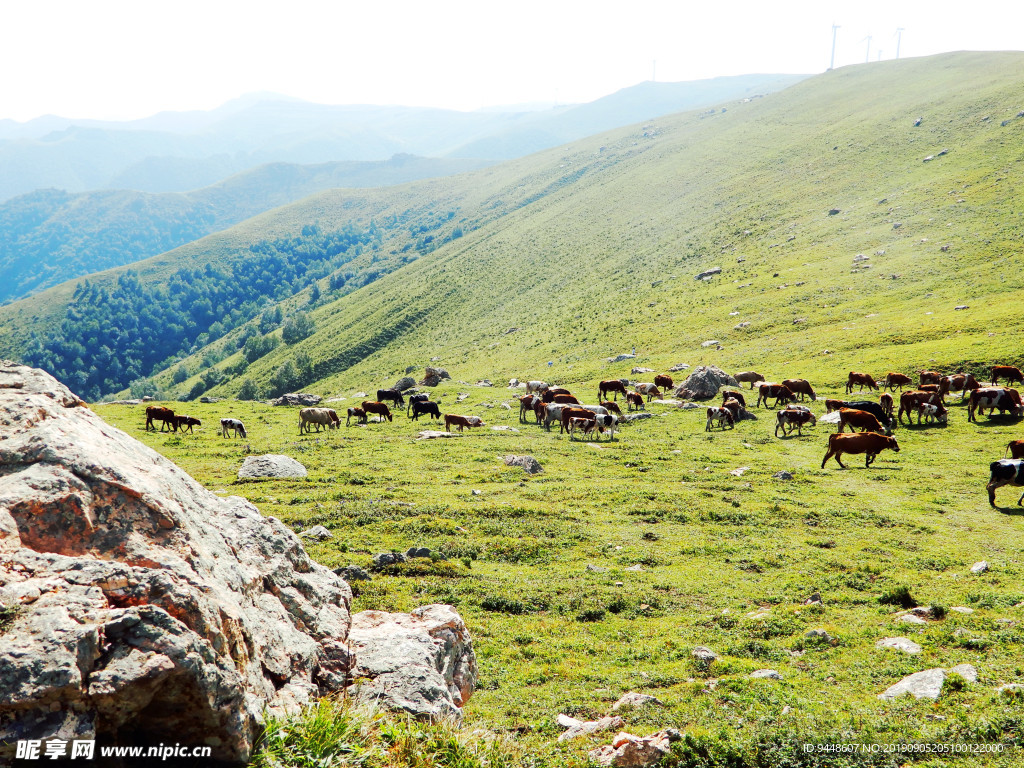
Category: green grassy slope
<point>599,242</point>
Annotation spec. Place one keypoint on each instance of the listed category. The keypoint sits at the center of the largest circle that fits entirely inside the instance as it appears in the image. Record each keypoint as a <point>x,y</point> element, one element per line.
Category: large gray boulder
<point>421,663</point>
<point>704,383</point>
<point>297,398</point>
<point>404,383</point>
<point>145,603</point>
<point>434,376</point>
<point>269,466</point>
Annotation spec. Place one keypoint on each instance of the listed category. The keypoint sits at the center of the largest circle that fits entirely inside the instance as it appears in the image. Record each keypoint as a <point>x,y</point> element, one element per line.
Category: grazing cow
<point>598,409</point>
<point>431,409</point>
<point>860,380</point>
<point>586,426</point>
<point>419,397</point>
<point>535,386</point>
<point>732,393</point>
<point>862,420</point>
<point>735,407</point>
<point>156,413</point>
<point>722,415</point>
<point>317,417</point>
<point>1005,472</point>
<point>635,402</point>
<point>960,382</point>
<point>885,400</point>
<point>607,421</point>
<point>392,395</point>
<point>614,386</point>
<point>359,413</point>
<point>1009,372</point>
<point>929,377</point>
<point>1015,449</point>
<point>870,443</point>
<point>932,413</point>
<point>911,399</point>
<point>527,403</point>
<point>790,418</point>
<point>1003,398</point>
<point>612,407</point>
<point>551,393</point>
<point>553,412</point>
<point>186,422</point>
<point>378,408</point>
<point>566,400</point>
<point>800,387</point>
<point>648,389</point>
<point>782,394</point>
<point>893,380</point>
<point>752,376</point>
<point>834,405</point>
<point>664,381</point>
<point>572,412</point>
<point>876,410</point>
<point>234,425</point>
<point>450,420</point>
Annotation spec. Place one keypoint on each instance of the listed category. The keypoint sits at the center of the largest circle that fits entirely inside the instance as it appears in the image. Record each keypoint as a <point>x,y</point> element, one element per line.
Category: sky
<point>120,60</point>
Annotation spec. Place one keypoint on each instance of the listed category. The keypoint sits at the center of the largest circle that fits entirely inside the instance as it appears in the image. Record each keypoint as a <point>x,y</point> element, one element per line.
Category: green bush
<point>898,596</point>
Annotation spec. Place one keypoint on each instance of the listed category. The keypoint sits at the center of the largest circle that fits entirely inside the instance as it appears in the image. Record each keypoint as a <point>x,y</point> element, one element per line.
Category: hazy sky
<point>122,59</point>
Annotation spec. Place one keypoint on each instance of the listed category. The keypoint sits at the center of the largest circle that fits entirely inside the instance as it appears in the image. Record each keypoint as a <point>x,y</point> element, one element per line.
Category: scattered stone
<point>636,416</point>
<point>899,644</point>
<point>208,399</point>
<point>704,654</point>
<point>962,306</point>
<point>317,532</point>
<point>814,599</point>
<point>504,428</point>
<point>409,369</point>
<point>417,552</point>
<point>352,573</point>
<point>461,396</point>
<point>818,634</point>
<point>834,211</point>
<point>739,471</point>
<point>979,567</point>
<point>709,273</point>
<point>420,662</point>
<point>433,434</point>
<point>635,568</point>
<point>765,674</point>
<point>679,367</point>
<point>667,402</point>
<point>711,343</point>
<point>635,700</point>
<point>909,618</point>
<point>629,751</point>
<point>404,383</point>
<point>704,383</point>
<point>528,463</point>
<point>596,569</point>
<point>620,358</point>
<point>741,326</point>
<point>1010,689</point>
<point>484,383</point>
<point>967,671</point>
<point>642,370</point>
<point>297,398</point>
<point>961,609</point>
<point>384,559</point>
<point>690,406</point>
<point>783,475</point>
<point>270,465</point>
<point>593,726</point>
<point>433,376</point>
<point>921,685</point>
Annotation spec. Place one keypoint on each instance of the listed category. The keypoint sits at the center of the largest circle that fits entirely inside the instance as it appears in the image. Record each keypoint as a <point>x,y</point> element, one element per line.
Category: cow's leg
<point>1020,501</point>
<point>828,456</point>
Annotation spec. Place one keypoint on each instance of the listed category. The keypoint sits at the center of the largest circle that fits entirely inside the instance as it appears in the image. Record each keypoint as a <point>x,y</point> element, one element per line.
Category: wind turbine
<point>832,63</point>
<point>899,39</point>
<point>867,52</point>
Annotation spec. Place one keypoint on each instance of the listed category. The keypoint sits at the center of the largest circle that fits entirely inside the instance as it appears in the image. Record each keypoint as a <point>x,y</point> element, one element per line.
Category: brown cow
<point>751,376</point>
<point>834,405</point>
<point>929,377</point>
<point>586,426</point>
<point>527,403</point>
<point>613,386</point>
<point>551,392</point>
<point>912,399</point>
<point>648,389</point>
<point>359,413</point>
<point>566,400</point>
<point>1009,372</point>
<point>612,407</point>
<point>862,420</point>
<point>732,393</point>
<point>156,413</point>
<point>861,380</point>
<point>569,412</point>
<point>961,382</point>
<point>664,381</point>
<point>1015,449</point>
<point>635,402</point>
<point>870,443</point>
<point>373,406</point>
<point>800,387</point>
<point>893,379</point>
<point>885,400</point>
<point>782,394</point>
<point>186,422</point>
<point>735,407</point>
<point>451,420</point>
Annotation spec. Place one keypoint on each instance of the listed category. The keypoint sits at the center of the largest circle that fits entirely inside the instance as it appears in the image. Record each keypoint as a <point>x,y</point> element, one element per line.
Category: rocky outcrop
<point>297,398</point>
<point>421,663</point>
<point>404,383</point>
<point>434,376</point>
<point>149,609</point>
<point>704,383</point>
<point>270,465</point>
<point>528,463</point>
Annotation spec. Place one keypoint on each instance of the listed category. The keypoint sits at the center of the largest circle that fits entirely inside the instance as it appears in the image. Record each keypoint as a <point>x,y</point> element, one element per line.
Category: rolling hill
<point>839,244</point>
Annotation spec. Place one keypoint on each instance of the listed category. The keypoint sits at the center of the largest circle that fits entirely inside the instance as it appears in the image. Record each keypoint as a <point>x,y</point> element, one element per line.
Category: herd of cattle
<point>874,420</point>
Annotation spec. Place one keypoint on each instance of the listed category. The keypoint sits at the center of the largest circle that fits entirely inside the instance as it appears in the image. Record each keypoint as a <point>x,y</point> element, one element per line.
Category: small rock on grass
<point>633,700</point>
<point>899,644</point>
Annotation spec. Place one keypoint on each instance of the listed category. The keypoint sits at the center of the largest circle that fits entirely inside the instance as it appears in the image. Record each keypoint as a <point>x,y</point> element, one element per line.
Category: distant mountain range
<point>181,151</point>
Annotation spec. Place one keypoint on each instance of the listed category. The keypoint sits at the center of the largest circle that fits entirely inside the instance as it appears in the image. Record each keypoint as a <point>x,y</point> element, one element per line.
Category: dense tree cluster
<point>112,336</point>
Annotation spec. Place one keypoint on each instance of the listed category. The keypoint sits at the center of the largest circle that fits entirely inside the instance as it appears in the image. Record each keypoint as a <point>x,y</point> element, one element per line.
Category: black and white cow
<point>233,425</point>
<point>721,415</point>
<point>1005,472</point>
<point>793,418</point>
